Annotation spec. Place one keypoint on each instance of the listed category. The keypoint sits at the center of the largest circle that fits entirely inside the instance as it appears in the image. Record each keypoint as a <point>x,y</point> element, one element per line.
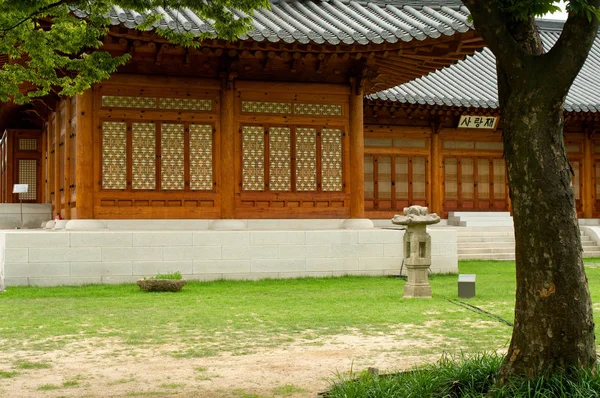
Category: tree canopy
<point>47,47</point>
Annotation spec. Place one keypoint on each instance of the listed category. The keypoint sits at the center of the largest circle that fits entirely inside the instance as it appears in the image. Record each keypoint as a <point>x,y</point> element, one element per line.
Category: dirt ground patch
<point>105,368</point>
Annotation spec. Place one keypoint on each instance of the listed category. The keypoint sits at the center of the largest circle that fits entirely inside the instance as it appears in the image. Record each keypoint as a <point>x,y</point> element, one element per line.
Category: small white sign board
<point>21,188</point>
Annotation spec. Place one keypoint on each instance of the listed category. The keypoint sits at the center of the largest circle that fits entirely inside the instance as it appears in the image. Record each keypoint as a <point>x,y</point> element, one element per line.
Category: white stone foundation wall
<point>65,257</point>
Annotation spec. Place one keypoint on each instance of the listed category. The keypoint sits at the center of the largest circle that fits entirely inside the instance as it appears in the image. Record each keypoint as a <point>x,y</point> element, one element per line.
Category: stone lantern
<point>417,249</point>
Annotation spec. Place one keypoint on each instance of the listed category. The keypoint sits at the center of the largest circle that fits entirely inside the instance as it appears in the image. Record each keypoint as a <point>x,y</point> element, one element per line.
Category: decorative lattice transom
<point>28,175</point>
<point>253,167</point>
<point>27,144</point>
<point>143,168</point>
<point>279,159</point>
<point>172,144</point>
<point>318,109</point>
<point>331,160</point>
<point>201,160</point>
<point>306,159</point>
<point>114,155</point>
<point>186,104</point>
<point>266,107</point>
<point>111,101</point>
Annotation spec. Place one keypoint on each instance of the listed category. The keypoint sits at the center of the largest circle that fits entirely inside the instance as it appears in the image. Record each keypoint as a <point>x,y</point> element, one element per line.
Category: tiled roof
<point>472,82</point>
<point>327,21</point>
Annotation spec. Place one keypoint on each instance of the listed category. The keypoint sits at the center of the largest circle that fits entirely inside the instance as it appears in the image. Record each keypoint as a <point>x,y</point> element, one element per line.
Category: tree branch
<point>570,51</point>
<point>38,12</point>
<point>490,21</point>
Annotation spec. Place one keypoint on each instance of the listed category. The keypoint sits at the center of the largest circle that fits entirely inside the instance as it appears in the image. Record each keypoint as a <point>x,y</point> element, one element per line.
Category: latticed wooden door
<point>393,182</point>
<point>474,183</point>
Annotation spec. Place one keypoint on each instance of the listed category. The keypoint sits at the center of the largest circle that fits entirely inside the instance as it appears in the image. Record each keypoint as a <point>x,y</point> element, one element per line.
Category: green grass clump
<point>32,365</point>
<point>173,275</point>
<point>7,375</point>
<point>466,377</point>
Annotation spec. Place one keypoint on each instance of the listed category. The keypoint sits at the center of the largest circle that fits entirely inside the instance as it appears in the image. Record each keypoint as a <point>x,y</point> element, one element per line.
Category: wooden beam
<point>357,152</point>
<point>57,177</point>
<point>84,179</point>
<point>227,144</point>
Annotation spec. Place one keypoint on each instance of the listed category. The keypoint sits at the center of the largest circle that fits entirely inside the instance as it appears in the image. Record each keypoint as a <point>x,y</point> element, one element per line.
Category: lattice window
<point>419,177</point>
<point>279,159</point>
<point>27,144</point>
<point>266,107</point>
<point>114,155</point>
<point>172,144</point>
<point>143,169</point>
<point>451,178</point>
<point>369,177</point>
<point>331,160</point>
<point>384,177</point>
<point>186,104</point>
<point>253,167</point>
<point>111,101</point>
<point>28,175</point>
<point>306,159</point>
<point>318,109</point>
<point>201,159</point>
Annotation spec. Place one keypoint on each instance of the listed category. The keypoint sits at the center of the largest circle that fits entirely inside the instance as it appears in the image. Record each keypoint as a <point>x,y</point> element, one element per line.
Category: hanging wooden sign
<point>477,122</point>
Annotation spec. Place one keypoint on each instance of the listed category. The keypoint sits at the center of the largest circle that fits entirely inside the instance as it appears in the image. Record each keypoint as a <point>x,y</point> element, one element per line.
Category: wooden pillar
<point>84,179</point>
<point>11,168</point>
<point>588,187</point>
<point>436,181</point>
<point>56,165</point>
<point>227,146</point>
<point>357,152</point>
<point>67,159</point>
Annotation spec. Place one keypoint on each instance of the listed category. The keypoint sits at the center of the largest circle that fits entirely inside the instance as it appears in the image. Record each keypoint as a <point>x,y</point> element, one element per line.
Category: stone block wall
<point>48,258</point>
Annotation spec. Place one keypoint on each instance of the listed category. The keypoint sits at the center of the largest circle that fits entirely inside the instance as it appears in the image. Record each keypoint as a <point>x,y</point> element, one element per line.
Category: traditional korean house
<point>270,126</point>
<point>436,141</point>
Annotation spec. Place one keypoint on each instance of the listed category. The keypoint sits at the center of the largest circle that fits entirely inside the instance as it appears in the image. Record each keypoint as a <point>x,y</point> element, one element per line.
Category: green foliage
<point>466,376</point>
<point>53,45</point>
<point>524,9</point>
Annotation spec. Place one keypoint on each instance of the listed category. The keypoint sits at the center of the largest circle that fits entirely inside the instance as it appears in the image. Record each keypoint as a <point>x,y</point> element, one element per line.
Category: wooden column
<point>56,165</point>
<point>227,143</point>
<point>67,159</point>
<point>436,181</point>
<point>84,179</point>
<point>588,188</point>
<point>357,152</point>
<point>11,168</point>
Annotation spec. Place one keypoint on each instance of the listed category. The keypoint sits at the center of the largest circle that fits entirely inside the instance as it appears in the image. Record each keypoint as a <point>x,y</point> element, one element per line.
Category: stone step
<point>474,245</point>
<point>479,214</point>
<point>485,250</point>
<point>499,239</point>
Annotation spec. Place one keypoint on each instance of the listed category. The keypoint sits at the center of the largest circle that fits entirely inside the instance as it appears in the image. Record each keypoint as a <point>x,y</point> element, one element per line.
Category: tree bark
<point>554,327</point>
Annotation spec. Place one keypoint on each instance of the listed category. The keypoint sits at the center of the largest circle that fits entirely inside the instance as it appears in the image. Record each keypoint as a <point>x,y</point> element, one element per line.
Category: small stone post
<point>417,249</point>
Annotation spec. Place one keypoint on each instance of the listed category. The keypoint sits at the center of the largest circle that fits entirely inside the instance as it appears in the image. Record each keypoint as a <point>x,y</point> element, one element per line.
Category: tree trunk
<point>554,327</point>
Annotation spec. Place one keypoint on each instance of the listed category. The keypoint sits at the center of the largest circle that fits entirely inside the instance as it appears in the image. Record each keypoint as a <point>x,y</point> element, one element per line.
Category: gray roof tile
<point>327,21</point>
<point>472,81</point>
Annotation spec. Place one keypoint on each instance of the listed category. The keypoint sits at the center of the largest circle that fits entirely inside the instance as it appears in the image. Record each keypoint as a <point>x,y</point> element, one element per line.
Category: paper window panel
<point>186,104</point>
<point>306,159</point>
<point>331,160</point>
<point>573,148</point>
<point>409,143</point>
<point>27,144</point>
<point>451,178</point>
<point>280,159</point>
<point>143,157</point>
<point>489,146</point>
<point>483,179</point>
<point>266,107</point>
<point>114,155</point>
<point>253,158</point>
<point>172,145</point>
<point>201,157</point>
<point>369,178</point>
<point>459,145</point>
<point>499,179</point>
<point>112,101</point>
<point>28,175</point>
<point>418,178</point>
<point>318,109</point>
<point>379,142</point>
<point>467,179</point>
<point>401,183</point>
<point>384,177</point>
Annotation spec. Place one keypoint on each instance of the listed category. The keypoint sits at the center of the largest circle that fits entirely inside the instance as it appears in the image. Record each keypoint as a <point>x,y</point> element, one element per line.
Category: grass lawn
<point>208,317</point>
